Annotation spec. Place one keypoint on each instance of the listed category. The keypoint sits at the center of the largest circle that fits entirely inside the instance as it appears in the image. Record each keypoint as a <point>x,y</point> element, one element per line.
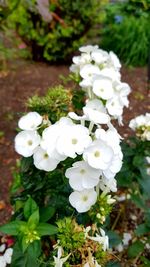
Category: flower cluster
<point>98,73</point>
<point>100,151</point>
<point>141,125</point>
<point>89,139</point>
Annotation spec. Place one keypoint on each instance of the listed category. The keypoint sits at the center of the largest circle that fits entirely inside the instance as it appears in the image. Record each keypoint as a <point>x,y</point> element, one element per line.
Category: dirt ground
<point>24,79</point>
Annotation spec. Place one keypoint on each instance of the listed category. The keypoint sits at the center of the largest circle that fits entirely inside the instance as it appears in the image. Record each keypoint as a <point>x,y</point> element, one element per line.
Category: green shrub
<point>126,32</point>
<point>56,37</point>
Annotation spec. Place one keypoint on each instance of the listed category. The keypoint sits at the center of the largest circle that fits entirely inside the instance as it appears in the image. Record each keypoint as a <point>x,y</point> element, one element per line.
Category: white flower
<point>73,140</point>
<point>108,185</point>
<point>111,137</point>
<point>76,117</point>
<point>2,262</point>
<point>103,88</point>
<point>100,57</point>
<point>42,160</point>
<point>81,60</point>
<point>96,112</point>
<point>2,248</point>
<point>26,142</point>
<point>114,106</point>
<point>141,120</point>
<point>58,261</point>
<point>111,73</point>
<point>89,70</point>
<point>88,48</point>
<point>30,121</point>
<point>103,239</point>
<point>7,255</point>
<point>83,200</point>
<point>126,238</point>
<point>6,258</point>
<point>98,155</point>
<point>82,176</point>
<point>114,61</point>
<point>50,136</point>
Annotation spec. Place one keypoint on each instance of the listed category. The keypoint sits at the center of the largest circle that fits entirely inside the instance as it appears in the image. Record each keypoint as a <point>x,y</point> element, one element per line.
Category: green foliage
<point>136,248</point>
<point>114,238</point>
<point>70,234</point>
<point>134,169</point>
<point>126,32</point>
<point>100,210</point>
<point>28,235</point>
<point>55,104</point>
<point>55,39</point>
<point>28,258</point>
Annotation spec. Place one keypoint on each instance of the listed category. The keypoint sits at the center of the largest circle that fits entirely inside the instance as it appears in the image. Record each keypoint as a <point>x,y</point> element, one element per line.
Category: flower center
<point>74,141</point>
<point>45,156</point>
<point>82,171</point>
<point>85,198</point>
<point>30,142</point>
<point>97,154</point>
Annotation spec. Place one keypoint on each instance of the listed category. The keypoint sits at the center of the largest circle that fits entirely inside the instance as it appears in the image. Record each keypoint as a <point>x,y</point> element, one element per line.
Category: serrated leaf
<point>13,228</point>
<point>46,213</point>
<point>29,208</point>
<point>135,249</point>
<point>46,229</point>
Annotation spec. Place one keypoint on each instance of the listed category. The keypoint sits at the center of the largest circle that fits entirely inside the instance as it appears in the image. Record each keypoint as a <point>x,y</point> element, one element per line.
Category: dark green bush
<point>56,37</point>
<point>126,31</point>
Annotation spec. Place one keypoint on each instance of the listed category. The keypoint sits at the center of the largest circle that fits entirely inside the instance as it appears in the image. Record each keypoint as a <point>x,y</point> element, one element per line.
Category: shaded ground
<point>26,79</point>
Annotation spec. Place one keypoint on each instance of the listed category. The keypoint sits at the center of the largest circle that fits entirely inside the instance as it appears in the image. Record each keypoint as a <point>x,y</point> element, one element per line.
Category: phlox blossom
<point>30,121</point>
<point>73,140</point>
<point>82,176</point>
<point>83,200</point>
<point>99,155</point>
<point>42,160</point>
<point>26,142</point>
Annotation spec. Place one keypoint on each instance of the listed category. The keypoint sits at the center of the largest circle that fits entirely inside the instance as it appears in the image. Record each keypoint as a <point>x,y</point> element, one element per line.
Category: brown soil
<point>26,79</point>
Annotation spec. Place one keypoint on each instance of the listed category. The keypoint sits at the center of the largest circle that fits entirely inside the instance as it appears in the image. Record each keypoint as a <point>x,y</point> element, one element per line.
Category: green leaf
<point>24,244</point>
<point>16,183</point>
<point>114,238</point>
<point>29,258</point>
<point>13,228</point>
<point>25,164</point>
<point>138,161</point>
<point>33,220</point>
<point>139,202</point>
<point>145,261</point>
<point>46,229</point>
<point>46,213</point>
<point>113,264</point>
<point>135,249</point>
<point>142,229</point>
<point>29,208</point>
<point>35,249</point>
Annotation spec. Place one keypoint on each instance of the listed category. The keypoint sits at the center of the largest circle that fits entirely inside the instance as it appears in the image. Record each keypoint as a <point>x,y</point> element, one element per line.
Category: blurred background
<point>53,30</point>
